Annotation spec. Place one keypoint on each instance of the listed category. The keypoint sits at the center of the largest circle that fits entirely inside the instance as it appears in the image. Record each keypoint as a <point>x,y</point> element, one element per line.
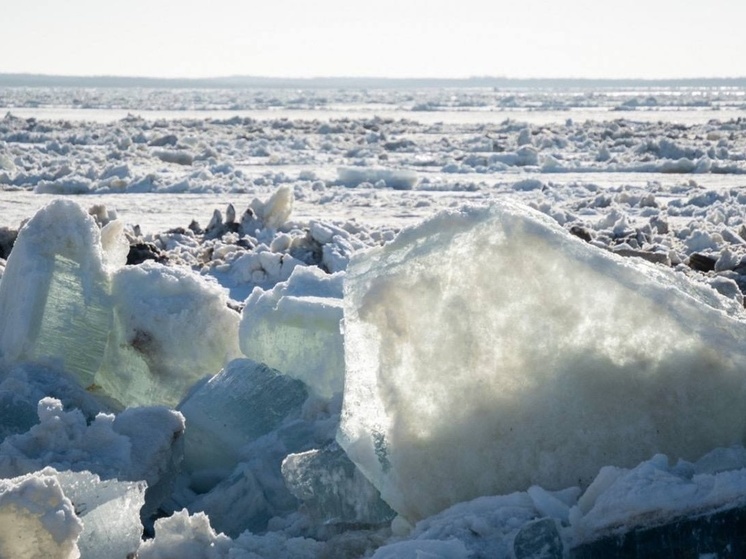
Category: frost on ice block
<point>488,350</point>
<point>294,328</point>
<point>240,404</point>
<point>54,303</point>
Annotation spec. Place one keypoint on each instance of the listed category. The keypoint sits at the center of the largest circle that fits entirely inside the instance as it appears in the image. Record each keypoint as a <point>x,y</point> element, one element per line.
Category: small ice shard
<point>492,336</point>
<point>54,303</point>
<point>156,450</point>
<point>276,211</point>
<point>110,511</point>
<point>333,490</point>
<point>171,328</point>
<point>240,404</point>
<point>295,328</point>
<point>539,539</point>
<point>37,519</point>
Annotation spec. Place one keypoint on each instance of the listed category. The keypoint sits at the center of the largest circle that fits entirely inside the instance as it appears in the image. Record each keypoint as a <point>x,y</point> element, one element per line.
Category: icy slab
<point>171,328</point>
<point>495,351</point>
<point>398,179</point>
<point>54,303</point>
<point>110,511</point>
<point>255,491</point>
<point>240,404</point>
<point>333,490</point>
<point>37,519</point>
<point>295,328</point>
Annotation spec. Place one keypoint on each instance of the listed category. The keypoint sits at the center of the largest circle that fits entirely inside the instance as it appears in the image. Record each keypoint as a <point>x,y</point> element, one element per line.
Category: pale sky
<point>375,38</point>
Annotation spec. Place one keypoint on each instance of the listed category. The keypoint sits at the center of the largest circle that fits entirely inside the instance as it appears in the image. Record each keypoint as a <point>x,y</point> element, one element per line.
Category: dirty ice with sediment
<point>396,323</point>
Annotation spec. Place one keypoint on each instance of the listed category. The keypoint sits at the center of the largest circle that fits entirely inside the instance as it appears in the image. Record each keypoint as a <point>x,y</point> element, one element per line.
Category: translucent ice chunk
<point>37,519</point>
<point>171,328</point>
<point>492,350</point>
<point>333,489</point>
<point>54,303</point>
<point>294,328</point>
<point>110,511</point>
<point>243,402</point>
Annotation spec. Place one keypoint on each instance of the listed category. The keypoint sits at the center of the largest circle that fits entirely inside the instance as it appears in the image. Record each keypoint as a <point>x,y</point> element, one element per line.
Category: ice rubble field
<point>343,358</point>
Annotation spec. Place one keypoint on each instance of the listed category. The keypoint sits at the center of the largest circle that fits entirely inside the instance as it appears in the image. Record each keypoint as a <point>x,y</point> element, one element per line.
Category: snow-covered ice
<point>542,303</point>
<point>295,327</point>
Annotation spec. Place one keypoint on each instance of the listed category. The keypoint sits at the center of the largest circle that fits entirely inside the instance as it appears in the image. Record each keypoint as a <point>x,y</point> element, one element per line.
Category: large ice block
<point>294,328</point>
<point>171,328</point>
<point>37,519</point>
<point>54,303</point>
<point>488,350</point>
<point>240,404</point>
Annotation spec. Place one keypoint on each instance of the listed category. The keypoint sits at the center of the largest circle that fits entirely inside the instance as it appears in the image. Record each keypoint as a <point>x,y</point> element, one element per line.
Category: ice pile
<point>492,350</point>
<point>501,386</point>
<point>142,334</point>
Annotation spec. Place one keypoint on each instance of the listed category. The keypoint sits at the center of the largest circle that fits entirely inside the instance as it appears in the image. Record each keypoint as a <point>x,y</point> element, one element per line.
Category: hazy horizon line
<point>15,79</point>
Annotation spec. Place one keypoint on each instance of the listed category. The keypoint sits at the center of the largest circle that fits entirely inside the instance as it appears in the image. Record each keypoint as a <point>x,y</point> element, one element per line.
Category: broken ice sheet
<point>171,328</point>
<point>333,489</point>
<point>109,509</point>
<point>54,303</point>
<point>490,336</point>
<point>295,328</point>
<point>240,404</point>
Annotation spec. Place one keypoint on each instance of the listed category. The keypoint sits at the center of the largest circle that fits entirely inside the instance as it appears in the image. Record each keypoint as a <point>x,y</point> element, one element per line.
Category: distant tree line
<point>238,82</point>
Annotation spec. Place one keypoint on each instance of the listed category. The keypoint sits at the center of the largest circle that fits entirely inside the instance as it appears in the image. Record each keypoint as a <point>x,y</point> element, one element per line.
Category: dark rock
<point>702,262</point>
<point>195,228</point>
<point>581,232</point>
<point>168,140</point>
<point>140,252</point>
<point>7,240</point>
